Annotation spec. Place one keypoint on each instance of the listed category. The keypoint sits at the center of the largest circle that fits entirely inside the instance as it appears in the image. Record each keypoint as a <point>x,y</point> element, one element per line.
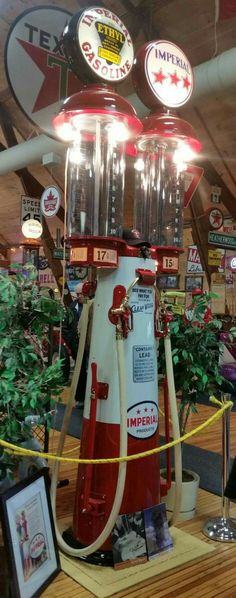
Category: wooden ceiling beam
<point>213,178</point>
<point>27,179</point>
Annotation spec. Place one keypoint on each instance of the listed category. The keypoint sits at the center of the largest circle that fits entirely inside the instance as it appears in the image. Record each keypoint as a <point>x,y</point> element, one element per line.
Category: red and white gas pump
<point>163,79</point>
<point>121,411</point>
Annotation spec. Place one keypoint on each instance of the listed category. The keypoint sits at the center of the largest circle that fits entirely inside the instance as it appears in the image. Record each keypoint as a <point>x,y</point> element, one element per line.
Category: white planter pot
<point>188,497</point>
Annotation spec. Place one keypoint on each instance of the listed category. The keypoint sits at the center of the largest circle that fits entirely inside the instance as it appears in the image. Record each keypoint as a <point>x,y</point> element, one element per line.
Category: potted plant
<point>28,387</point>
<point>196,350</point>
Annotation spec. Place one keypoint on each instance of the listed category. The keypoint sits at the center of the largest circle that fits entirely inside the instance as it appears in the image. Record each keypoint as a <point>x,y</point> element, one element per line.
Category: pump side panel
<point>142,481</point>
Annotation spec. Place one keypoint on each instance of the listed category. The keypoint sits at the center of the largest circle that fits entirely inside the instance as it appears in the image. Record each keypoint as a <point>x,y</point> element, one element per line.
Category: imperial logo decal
<point>142,419</point>
<point>105,44</point>
<point>37,70</point>
<point>169,74</point>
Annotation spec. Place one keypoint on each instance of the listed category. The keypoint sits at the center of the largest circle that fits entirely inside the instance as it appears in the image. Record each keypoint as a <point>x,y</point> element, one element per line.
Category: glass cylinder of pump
<point>95,179</point>
<point>165,145</point>
<point>159,194</point>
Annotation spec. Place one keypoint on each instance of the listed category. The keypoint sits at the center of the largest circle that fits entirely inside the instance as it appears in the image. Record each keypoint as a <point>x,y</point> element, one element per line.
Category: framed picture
<point>193,282</point>
<point>29,536</point>
<point>168,281</point>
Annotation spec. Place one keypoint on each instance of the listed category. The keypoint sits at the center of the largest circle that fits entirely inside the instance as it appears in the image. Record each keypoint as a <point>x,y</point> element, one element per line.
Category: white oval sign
<point>37,546</point>
<point>169,73</point>
<point>142,419</point>
<point>216,218</point>
<point>37,71</point>
<point>106,44</point>
<point>233,263</point>
<point>50,201</point>
<point>32,229</point>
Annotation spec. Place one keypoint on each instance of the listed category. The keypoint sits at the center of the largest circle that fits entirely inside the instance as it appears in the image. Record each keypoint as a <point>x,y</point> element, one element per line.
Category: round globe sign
<point>50,201</point>
<point>216,218</point>
<point>233,263</point>
<point>38,73</point>
<point>32,229</point>
<point>162,73</point>
<point>98,46</point>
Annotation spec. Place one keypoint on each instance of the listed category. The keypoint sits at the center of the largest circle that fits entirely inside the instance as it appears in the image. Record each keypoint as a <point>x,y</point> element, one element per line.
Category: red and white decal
<point>169,73</point>
<point>50,201</point>
<point>142,420</point>
<point>37,71</point>
<point>192,178</point>
<point>216,218</point>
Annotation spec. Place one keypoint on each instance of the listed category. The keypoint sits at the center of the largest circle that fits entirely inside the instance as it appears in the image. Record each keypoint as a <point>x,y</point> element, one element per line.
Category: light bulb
<point>65,131</point>
<point>75,155</point>
<point>117,131</point>
<point>139,164</point>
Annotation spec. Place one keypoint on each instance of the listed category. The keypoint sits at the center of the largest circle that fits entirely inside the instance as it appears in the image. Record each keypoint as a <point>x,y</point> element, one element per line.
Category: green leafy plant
<point>196,350</point>
<point>27,385</point>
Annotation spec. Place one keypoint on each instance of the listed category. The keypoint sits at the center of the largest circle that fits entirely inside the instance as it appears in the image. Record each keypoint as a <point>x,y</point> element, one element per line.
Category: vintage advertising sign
<point>169,73</point>
<point>193,260</point>
<point>50,201</point>
<point>32,229</point>
<point>216,257</point>
<point>38,73</point>
<point>30,209</point>
<point>222,240</point>
<point>216,218</point>
<point>105,44</point>
<point>192,178</point>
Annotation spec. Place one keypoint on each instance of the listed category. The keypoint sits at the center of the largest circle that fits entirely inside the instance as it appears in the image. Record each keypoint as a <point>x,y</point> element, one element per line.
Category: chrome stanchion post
<point>223,529</point>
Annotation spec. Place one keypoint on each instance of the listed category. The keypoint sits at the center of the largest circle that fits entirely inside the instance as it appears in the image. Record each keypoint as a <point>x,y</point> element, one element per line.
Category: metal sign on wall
<point>30,209</point>
<point>222,240</point>
<point>37,70</point>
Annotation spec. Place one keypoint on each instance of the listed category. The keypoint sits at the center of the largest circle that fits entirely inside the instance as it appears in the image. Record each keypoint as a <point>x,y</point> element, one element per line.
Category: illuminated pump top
<point>97,123</point>
<point>163,80</point>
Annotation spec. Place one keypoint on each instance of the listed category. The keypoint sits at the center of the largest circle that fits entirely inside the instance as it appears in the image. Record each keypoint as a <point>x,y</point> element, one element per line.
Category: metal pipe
<point>223,528</point>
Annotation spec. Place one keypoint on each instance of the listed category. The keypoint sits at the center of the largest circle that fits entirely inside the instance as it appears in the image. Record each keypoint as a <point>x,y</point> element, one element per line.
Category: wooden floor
<point>209,577</point>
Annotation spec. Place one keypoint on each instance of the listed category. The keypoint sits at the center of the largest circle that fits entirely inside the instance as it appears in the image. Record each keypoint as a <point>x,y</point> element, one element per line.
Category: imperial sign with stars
<point>169,73</point>
<point>37,70</point>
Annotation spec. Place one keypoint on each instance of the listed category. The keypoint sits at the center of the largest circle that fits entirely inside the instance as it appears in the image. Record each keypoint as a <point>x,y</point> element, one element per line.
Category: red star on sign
<point>159,77</point>
<point>216,218</point>
<point>59,81</point>
<point>186,82</point>
<point>174,79</point>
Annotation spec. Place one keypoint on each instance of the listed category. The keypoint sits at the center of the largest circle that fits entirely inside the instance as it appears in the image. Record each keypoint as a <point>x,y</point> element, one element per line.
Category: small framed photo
<point>193,282</point>
<point>29,536</point>
<point>167,281</point>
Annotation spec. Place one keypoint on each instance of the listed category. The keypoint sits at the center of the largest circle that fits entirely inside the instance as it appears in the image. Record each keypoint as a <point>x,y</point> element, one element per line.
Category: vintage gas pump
<point>163,79</point>
<point>120,412</point>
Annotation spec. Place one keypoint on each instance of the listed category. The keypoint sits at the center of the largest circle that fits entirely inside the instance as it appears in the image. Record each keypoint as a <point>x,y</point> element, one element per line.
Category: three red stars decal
<point>159,77</point>
<point>175,80</point>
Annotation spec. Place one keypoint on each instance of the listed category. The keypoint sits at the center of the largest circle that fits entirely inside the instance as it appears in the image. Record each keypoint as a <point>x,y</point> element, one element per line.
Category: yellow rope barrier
<point>209,422</point>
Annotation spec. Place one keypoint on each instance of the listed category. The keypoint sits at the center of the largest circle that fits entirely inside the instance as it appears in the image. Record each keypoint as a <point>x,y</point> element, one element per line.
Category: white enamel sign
<point>32,229</point>
<point>106,44</point>
<point>169,73</point>
<point>37,70</point>
<point>50,201</point>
